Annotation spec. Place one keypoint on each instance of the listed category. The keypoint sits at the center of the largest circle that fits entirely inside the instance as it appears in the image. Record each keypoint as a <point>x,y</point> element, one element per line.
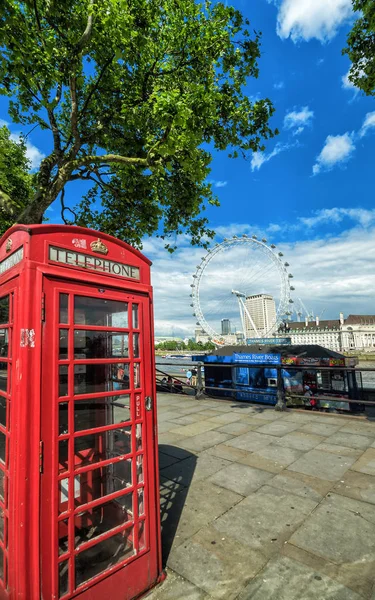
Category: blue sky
<point>311,191</point>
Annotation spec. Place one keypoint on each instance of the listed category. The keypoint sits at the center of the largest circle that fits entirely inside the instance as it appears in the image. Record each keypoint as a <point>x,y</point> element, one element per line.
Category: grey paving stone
<point>251,441</point>
<point>298,417</point>
<point>278,427</point>
<point>300,441</point>
<point>341,530</point>
<point>165,460</point>
<point>237,428</point>
<point>174,451</point>
<point>351,440</point>
<point>358,486</point>
<point>220,565</point>
<point>359,426</point>
<point>265,520</point>
<point>225,418</point>
<point>324,465</point>
<point>287,579</point>
<point>194,428</point>
<point>240,478</point>
<point>176,587</point>
<point>339,450</point>
<point>267,414</point>
<point>301,485</point>
<point>205,440</point>
<point>165,426</point>
<point>186,419</point>
<point>324,429</point>
<point>282,456</point>
<point>366,463</point>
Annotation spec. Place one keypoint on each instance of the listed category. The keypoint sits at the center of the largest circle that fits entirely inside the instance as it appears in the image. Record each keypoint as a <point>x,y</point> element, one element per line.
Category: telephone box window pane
<point>141,536</point>
<point>63,456</point>
<point>98,412</point>
<point>100,482</point>
<point>91,378</point>
<point>90,449</point>
<point>64,317</point>
<point>63,380</point>
<point>63,353</point>
<point>63,536</point>
<point>100,344</point>
<point>138,437</point>
<point>136,345</point>
<point>137,375</point>
<point>2,481</point>
<point>101,312</point>
<point>4,343</point>
<point>4,310</point>
<point>2,446</point>
<point>1,563</point>
<point>102,518</point>
<point>141,502</point>
<point>3,411</point>
<point>2,526</point>
<point>104,555</point>
<point>63,418</point>
<point>3,376</point>
<point>135,316</point>
<point>140,468</point>
<point>63,578</point>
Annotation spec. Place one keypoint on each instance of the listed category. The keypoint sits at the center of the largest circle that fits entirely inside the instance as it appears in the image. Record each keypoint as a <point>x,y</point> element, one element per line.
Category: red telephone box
<point>78,449</point>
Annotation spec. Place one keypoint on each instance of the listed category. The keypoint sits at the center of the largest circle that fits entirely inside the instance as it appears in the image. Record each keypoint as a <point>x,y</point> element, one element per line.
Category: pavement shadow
<point>176,470</point>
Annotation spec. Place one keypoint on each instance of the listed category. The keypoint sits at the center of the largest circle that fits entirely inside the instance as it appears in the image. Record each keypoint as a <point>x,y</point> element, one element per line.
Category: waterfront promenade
<point>262,505</point>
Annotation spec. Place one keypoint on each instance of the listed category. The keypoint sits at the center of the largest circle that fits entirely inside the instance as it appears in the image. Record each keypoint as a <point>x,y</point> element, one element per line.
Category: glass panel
<point>139,462</point>
<point>89,449</point>
<point>100,344</point>
<point>98,412</point>
<point>135,316</point>
<point>3,411</point>
<point>4,310</point>
<point>136,345</point>
<point>1,563</point>
<point>64,491</point>
<point>4,342</point>
<point>2,482</point>
<point>141,535</point>
<point>141,504</point>
<point>63,354</point>
<point>103,518</point>
<point>137,375</point>
<point>104,555</point>
<point>91,378</point>
<point>97,311</point>
<point>64,318</point>
<point>63,455</point>
<point>3,376</point>
<point>63,536</point>
<point>63,578</point>
<point>138,437</point>
<point>63,418</point>
<point>100,482</point>
<point>63,380</point>
<point>1,525</point>
<point>2,446</point>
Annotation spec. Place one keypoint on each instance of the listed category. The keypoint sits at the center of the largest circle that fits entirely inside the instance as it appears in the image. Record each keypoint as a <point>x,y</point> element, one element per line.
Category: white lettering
<point>12,260</point>
<point>93,263</point>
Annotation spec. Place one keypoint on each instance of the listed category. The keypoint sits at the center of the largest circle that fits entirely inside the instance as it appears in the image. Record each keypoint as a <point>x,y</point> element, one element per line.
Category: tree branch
<point>88,31</point>
<point>107,159</point>
<point>95,87</point>
<point>74,113</point>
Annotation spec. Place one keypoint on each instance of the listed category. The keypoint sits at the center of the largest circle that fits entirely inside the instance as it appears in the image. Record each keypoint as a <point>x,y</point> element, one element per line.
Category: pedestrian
<point>188,377</point>
<point>194,374</point>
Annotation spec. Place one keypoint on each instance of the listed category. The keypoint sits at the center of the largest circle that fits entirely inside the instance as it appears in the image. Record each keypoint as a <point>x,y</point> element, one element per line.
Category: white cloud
<point>369,123</point>
<point>33,153</point>
<point>347,84</point>
<point>336,150</point>
<point>335,273</point>
<point>308,19</point>
<point>279,85</point>
<point>361,216</point>
<point>3,123</point>
<point>297,120</point>
<point>259,158</point>
<point>220,184</point>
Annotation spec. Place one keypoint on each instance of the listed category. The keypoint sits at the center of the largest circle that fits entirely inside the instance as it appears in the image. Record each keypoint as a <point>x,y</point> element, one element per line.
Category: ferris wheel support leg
<point>281,401</point>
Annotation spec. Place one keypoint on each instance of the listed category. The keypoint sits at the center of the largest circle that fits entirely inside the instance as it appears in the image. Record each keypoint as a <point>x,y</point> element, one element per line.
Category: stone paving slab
<point>366,463</point>
<point>237,428</point>
<point>351,440</point>
<point>278,428</point>
<point>301,485</point>
<point>240,478</point>
<point>176,587</point>
<point>324,465</point>
<point>286,579</point>
<point>358,486</point>
<point>251,441</point>
<point>339,450</point>
<point>205,440</point>
<point>324,429</point>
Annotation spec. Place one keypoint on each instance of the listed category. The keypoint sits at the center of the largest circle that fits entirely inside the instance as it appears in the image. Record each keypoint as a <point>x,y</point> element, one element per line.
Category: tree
<point>15,179</point>
<point>361,47</point>
<point>136,95</point>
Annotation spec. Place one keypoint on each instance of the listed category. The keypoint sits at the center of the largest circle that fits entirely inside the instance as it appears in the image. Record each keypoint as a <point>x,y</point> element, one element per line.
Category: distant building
<point>225,327</point>
<point>356,332</point>
<point>262,310</point>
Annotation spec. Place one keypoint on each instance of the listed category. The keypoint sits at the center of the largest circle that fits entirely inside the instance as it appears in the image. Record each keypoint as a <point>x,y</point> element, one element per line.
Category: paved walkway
<point>263,505</point>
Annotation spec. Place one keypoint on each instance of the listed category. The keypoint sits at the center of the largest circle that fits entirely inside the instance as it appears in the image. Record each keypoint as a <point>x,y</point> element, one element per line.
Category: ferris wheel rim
<point>285,301</point>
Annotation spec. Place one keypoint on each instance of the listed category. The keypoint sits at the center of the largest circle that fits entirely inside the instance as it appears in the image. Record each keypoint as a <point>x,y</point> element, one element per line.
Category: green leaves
<point>152,81</point>
<point>361,47</point>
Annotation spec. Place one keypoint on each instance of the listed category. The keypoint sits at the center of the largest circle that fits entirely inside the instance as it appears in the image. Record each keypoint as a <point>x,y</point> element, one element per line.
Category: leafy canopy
<point>136,95</point>
<point>361,47</point>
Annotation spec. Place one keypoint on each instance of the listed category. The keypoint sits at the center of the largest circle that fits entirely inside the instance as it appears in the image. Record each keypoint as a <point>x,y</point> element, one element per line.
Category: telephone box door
<point>98,499</point>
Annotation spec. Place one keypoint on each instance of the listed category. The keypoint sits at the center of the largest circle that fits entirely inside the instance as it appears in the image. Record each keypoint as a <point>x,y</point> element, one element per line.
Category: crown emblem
<point>9,245</point>
<point>99,246</point>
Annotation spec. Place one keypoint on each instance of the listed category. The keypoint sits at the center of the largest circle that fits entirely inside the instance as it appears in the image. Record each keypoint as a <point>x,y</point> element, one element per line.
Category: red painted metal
<point>78,449</point>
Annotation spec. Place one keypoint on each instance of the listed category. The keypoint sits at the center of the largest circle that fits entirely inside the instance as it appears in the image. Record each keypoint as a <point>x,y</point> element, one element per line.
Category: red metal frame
<point>34,518</point>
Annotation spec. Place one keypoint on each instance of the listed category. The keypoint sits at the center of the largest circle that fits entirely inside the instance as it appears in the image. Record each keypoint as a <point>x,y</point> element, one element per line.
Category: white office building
<point>262,310</point>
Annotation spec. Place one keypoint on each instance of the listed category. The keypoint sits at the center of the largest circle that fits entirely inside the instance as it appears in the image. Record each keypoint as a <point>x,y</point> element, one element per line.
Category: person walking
<point>188,377</point>
<point>194,374</point>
